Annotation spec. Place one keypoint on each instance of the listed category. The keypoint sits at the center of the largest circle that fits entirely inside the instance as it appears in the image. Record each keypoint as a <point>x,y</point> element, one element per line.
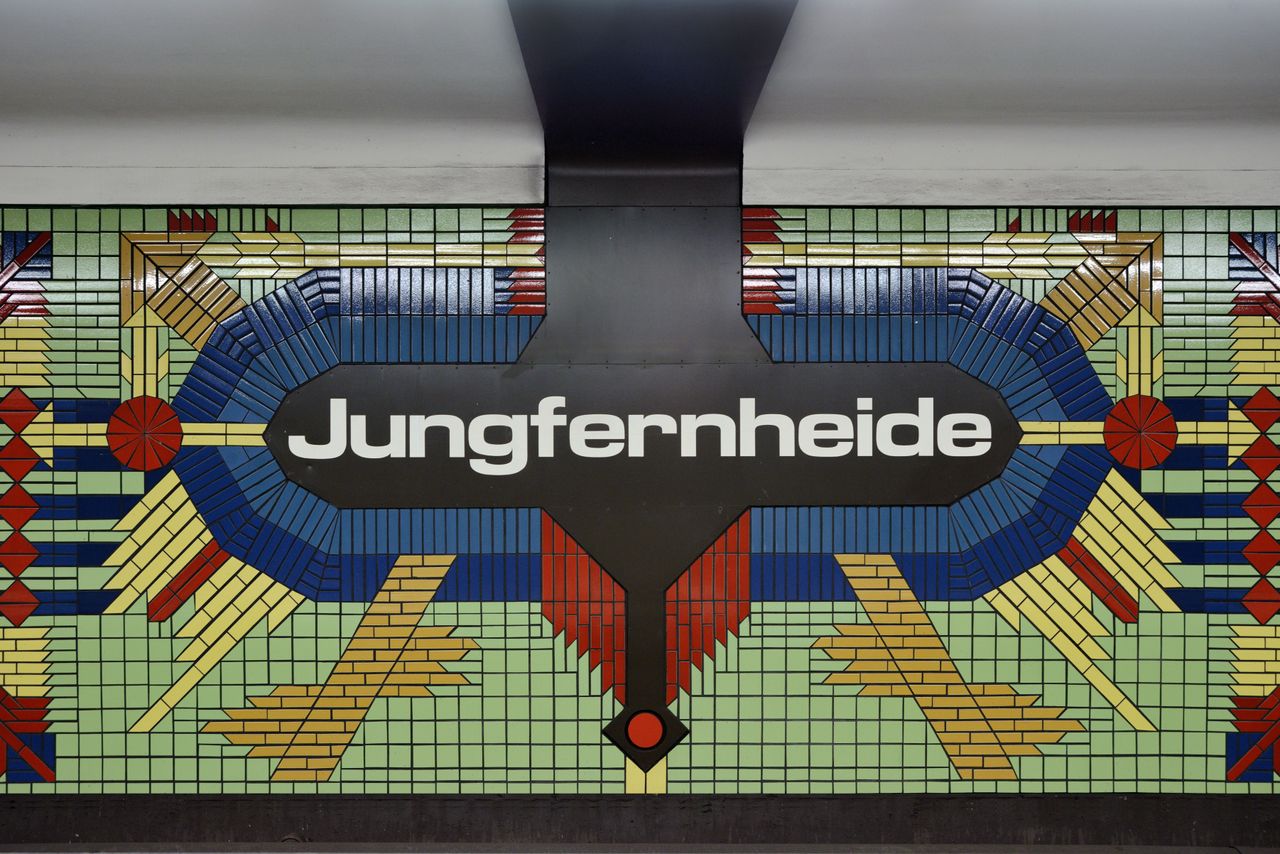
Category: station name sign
<point>501,444</point>
<point>419,435</point>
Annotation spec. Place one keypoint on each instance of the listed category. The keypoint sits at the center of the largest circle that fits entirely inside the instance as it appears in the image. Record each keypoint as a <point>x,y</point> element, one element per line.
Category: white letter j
<point>337,444</point>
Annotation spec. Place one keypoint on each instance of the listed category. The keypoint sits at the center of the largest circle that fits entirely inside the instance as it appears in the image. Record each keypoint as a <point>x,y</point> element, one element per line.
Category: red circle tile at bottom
<point>645,730</point>
<point>144,433</point>
<point>1140,431</point>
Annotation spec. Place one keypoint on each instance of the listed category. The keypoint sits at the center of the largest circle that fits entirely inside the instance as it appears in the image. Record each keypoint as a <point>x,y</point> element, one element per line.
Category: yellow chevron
<point>1002,255</point>
<point>308,727</point>
<point>900,654</point>
<point>1141,363</point>
<point>217,627</point>
<point>223,434</point>
<point>1236,432</point>
<point>24,660</point>
<point>24,352</point>
<point>283,255</point>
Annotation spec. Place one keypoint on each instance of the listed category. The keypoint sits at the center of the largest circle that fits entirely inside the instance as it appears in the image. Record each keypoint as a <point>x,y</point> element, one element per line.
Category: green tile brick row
<point>761,717</point>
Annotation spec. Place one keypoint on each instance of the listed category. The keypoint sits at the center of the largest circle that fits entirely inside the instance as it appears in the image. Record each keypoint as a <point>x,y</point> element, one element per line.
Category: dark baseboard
<point>194,821</point>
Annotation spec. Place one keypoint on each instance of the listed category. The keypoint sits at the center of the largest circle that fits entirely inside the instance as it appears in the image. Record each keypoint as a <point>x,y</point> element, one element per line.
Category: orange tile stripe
<point>900,654</point>
<point>309,727</point>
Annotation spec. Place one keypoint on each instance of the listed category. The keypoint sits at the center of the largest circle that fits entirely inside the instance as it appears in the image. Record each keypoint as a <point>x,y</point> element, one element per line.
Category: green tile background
<point>761,719</point>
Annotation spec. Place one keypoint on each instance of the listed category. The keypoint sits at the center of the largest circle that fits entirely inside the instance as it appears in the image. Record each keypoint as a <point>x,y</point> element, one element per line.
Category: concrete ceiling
<point>265,101</point>
<point>1010,101</point>
<point>427,101</point>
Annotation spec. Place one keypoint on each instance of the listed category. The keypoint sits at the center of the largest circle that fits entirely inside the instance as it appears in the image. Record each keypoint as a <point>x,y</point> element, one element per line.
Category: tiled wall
<point>1099,620</point>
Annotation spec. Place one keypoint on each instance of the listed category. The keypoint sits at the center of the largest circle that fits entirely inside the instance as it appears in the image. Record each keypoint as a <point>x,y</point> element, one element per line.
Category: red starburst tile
<point>17,506</point>
<point>17,603</point>
<point>17,410</point>
<point>144,433</point>
<point>1262,457</point>
<point>17,553</point>
<point>1262,600</point>
<point>1263,409</point>
<point>1262,505</point>
<point>1140,431</point>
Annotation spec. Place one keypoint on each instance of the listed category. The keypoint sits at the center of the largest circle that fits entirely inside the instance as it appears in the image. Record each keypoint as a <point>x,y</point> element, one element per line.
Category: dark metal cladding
<point>645,102</point>
<point>663,476</point>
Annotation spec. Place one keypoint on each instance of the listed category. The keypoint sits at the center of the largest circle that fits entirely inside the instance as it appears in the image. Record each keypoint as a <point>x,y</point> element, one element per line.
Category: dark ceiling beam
<point>644,104</point>
<point>646,101</point>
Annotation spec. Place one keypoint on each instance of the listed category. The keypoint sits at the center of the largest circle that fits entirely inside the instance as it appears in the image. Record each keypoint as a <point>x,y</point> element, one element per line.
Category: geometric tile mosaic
<point>176,617</point>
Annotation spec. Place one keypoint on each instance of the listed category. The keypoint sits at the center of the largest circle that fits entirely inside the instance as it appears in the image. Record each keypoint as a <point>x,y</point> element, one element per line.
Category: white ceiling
<point>870,102</point>
<point>265,101</point>
<point>1021,101</point>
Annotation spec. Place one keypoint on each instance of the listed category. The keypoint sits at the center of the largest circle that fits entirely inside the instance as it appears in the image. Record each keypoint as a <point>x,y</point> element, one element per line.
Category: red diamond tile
<point>17,603</point>
<point>1263,552</point>
<point>17,410</point>
<point>17,553</point>
<point>1262,457</point>
<point>1263,408</point>
<point>1262,505</point>
<point>17,458</point>
<point>17,507</point>
<point>1262,600</point>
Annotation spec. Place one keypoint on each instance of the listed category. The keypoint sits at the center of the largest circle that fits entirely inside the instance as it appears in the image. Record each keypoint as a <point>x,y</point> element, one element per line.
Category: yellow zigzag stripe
<point>218,626</point>
<point>1255,668</point>
<point>1121,530</point>
<point>1002,255</point>
<point>1139,360</point>
<point>24,352</point>
<point>308,727</point>
<point>165,533</point>
<point>284,255</point>
<point>1255,345</point>
<point>24,660</point>
<point>1025,596</point>
<point>1237,432</point>
<point>901,654</point>
<point>223,435</point>
<point>143,368</point>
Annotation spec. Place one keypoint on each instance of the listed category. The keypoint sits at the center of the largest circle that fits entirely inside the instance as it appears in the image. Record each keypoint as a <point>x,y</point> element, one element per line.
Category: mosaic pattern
<point>176,616</point>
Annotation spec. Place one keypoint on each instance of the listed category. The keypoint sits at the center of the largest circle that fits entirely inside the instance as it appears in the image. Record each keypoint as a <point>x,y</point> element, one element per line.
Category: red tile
<point>17,603</point>
<point>1262,600</point>
<point>17,506</point>
<point>17,458</point>
<point>1262,457</point>
<point>17,553</point>
<point>1263,409</point>
<point>1262,505</point>
<point>17,410</point>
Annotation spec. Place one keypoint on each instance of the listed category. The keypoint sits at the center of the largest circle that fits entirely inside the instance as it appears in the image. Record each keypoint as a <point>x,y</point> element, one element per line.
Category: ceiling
<point>294,101</point>
<point>869,102</point>
<point>1009,101</point>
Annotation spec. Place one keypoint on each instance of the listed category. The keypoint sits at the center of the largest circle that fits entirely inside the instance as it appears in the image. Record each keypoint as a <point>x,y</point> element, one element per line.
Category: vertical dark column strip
<point>644,104</point>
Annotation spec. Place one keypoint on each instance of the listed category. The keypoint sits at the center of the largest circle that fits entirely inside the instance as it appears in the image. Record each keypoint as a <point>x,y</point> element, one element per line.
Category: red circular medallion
<point>1140,432</point>
<point>144,433</point>
<point>645,730</point>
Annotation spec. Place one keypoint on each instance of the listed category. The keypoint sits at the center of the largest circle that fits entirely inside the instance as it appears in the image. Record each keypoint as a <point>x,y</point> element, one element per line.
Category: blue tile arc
<point>302,329</point>
<point>993,334</point>
<point>380,316</point>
